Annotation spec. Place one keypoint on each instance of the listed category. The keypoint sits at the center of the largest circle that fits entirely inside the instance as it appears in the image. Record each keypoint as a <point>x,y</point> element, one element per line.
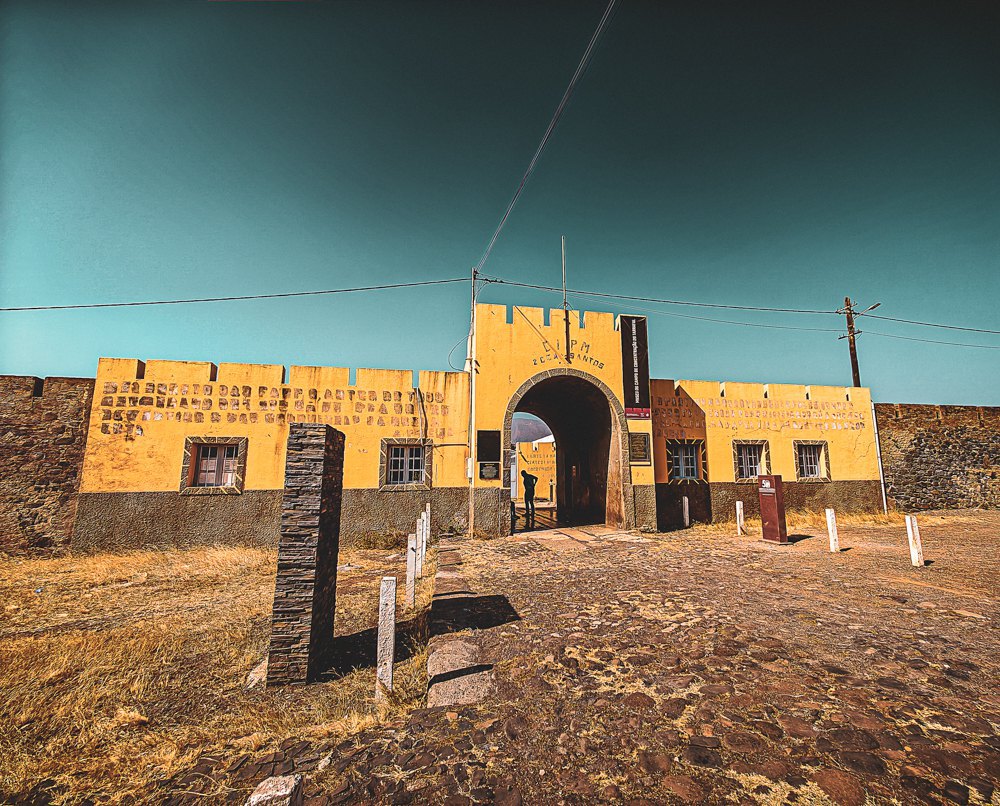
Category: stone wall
<point>940,457</point>
<point>305,587</point>
<point>132,521</point>
<point>43,432</point>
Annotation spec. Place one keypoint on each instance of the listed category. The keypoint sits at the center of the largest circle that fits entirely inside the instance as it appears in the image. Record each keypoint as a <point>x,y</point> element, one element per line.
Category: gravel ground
<point>695,667</point>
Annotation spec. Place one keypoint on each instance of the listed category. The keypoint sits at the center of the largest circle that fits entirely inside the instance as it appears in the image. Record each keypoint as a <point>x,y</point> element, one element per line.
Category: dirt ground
<point>688,667</point>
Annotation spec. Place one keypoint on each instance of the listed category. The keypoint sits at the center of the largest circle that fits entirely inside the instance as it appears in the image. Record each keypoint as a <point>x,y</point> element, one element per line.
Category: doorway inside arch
<point>586,452</point>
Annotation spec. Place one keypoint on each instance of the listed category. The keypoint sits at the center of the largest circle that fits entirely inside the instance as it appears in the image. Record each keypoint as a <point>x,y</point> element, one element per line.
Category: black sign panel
<point>488,446</point>
<point>489,471</point>
<point>635,367</point>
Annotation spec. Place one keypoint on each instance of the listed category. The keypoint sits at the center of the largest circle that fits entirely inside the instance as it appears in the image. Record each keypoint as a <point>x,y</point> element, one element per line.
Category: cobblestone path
<point>695,667</point>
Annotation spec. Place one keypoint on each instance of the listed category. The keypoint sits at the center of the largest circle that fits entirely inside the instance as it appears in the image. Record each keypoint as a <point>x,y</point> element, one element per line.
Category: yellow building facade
<point>182,452</point>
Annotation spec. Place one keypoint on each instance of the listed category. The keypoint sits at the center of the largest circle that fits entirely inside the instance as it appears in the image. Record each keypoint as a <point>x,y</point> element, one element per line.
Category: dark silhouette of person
<point>529,498</point>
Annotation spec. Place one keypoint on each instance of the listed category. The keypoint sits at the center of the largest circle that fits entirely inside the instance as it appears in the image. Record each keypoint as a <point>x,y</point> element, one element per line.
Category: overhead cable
<point>930,324</point>
<point>929,341</point>
<point>661,301</point>
<point>731,321</point>
<point>580,68</point>
<point>233,299</point>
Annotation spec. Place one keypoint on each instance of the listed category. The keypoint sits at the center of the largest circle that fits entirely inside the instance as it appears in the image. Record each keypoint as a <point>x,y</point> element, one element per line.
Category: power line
<point>233,299</point>
<point>730,321</point>
<point>929,341</point>
<point>663,301</point>
<point>548,132</point>
<point>932,324</point>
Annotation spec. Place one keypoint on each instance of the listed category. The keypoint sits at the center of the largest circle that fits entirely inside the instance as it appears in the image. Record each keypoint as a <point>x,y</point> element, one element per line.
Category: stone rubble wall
<point>940,457</point>
<point>43,432</point>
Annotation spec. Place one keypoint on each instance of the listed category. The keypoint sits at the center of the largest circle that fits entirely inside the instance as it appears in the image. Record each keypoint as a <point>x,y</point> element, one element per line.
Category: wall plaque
<point>639,449</point>
<point>489,470</point>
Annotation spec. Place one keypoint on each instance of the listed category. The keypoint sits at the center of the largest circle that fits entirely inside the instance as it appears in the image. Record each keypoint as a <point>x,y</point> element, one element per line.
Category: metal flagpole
<point>471,368</point>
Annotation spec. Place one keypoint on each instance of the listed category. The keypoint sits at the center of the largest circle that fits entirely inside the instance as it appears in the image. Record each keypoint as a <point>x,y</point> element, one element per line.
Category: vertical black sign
<point>635,367</point>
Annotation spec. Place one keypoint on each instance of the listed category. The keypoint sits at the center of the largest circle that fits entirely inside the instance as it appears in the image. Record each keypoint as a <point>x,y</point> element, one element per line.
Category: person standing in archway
<point>529,482</point>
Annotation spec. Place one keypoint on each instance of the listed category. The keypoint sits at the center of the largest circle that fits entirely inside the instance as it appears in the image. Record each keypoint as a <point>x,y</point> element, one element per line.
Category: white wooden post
<point>386,637</point>
<point>831,528</point>
<point>686,510</point>
<point>913,535</point>
<point>420,544</point>
<point>741,528</point>
<point>411,565</point>
<point>418,561</point>
<point>427,527</point>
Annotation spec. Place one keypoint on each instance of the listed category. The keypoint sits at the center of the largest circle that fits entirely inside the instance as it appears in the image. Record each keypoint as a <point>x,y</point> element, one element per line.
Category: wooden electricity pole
<point>849,311</point>
<point>852,334</point>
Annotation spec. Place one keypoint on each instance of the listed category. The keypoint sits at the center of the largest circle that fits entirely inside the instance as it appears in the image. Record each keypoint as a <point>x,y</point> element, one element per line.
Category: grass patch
<point>117,672</point>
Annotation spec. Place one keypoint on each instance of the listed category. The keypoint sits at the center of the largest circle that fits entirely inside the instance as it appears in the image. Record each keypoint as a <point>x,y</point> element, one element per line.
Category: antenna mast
<point>565,303</point>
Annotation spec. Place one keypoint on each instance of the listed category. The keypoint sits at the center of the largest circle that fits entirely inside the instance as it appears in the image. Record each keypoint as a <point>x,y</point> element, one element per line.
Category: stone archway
<point>611,483</point>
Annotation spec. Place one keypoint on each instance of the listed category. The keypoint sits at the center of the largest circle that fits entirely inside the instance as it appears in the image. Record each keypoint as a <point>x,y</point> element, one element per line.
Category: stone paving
<point>695,667</point>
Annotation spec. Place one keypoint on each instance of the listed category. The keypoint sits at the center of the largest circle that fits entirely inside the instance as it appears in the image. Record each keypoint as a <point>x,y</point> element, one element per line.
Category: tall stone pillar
<point>305,588</point>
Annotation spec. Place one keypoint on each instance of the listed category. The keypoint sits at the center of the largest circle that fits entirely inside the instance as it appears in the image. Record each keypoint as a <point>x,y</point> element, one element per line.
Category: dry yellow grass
<point>116,672</point>
<point>799,520</point>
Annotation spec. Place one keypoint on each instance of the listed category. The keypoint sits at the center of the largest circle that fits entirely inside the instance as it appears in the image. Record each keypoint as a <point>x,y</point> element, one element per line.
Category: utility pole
<point>852,333</point>
<point>565,303</point>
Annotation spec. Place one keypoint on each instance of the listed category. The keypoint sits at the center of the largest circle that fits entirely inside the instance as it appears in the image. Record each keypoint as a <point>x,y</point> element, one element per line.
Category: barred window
<point>749,460</point>
<point>406,464</point>
<point>810,461</point>
<point>215,465</point>
<point>684,461</point>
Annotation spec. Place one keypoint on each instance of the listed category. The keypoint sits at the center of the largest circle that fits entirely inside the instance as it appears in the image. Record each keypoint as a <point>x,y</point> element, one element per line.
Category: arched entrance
<point>592,468</point>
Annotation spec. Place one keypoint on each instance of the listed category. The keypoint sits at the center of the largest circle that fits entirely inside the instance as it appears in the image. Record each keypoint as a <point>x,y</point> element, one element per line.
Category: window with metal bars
<point>684,461</point>
<point>810,458</point>
<point>749,460</point>
<point>215,466</point>
<point>406,464</point>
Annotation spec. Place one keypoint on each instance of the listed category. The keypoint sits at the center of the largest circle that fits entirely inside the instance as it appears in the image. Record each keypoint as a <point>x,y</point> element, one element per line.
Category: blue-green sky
<point>775,154</point>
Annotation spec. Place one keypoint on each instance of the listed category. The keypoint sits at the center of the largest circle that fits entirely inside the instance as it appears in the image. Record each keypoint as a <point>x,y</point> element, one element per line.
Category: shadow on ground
<point>458,613</point>
<point>359,650</point>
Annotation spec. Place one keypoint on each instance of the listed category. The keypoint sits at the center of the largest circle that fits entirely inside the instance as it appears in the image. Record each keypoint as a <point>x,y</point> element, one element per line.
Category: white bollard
<point>741,528</point>
<point>386,637</point>
<point>418,562</point>
<point>427,527</point>
<point>686,510</point>
<point>831,528</point>
<point>411,565</point>
<point>913,535</point>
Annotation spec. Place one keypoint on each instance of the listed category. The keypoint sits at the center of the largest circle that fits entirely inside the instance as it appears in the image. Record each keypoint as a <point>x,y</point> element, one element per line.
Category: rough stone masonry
<point>43,432</point>
<point>306,584</point>
<point>940,457</point>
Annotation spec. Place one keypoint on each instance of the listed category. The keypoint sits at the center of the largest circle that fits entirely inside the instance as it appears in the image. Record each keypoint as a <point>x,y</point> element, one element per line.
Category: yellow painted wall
<point>779,413</point>
<point>142,413</point>
<point>539,459</point>
<point>140,419</point>
<point>510,354</point>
